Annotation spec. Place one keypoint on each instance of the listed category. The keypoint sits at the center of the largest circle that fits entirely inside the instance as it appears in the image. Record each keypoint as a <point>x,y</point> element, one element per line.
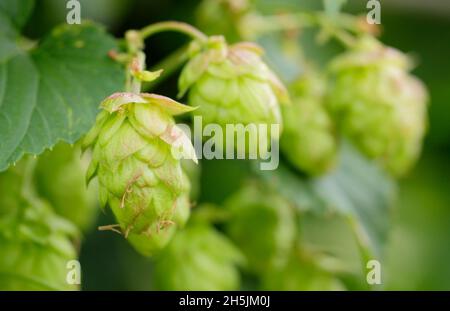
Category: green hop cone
<point>223,16</point>
<point>35,244</point>
<point>59,177</point>
<point>262,225</point>
<point>193,172</point>
<point>136,156</point>
<point>232,85</point>
<point>300,274</point>
<point>380,106</point>
<point>198,258</point>
<point>308,140</point>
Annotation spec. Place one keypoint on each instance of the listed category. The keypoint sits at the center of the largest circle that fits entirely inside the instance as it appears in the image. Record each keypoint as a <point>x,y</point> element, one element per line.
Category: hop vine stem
<point>173,26</point>
<point>135,44</point>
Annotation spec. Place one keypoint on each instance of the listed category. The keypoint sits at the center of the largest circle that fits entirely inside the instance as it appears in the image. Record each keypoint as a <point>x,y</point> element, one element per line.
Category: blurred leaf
<point>295,188</point>
<point>52,93</point>
<point>359,189</point>
<point>16,11</point>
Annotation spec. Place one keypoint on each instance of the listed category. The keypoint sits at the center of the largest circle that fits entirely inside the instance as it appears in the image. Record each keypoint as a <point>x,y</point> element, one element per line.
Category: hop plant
<point>136,156</point>
<point>59,177</point>
<point>36,244</point>
<point>300,274</point>
<point>232,85</point>
<point>308,140</point>
<point>198,258</point>
<point>380,106</point>
<point>262,225</point>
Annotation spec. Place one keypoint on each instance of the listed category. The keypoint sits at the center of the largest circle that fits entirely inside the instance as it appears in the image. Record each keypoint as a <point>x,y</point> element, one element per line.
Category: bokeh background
<point>418,248</point>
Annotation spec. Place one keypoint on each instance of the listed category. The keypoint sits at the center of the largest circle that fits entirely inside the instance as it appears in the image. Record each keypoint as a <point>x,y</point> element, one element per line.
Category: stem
<point>331,27</point>
<point>210,213</point>
<point>137,64</point>
<point>338,27</point>
<point>135,45</point>
<point>257,25</point>
<point>170,64</point>
<point>344,37</point>
<point>173,26</point>
<point>362,244</point>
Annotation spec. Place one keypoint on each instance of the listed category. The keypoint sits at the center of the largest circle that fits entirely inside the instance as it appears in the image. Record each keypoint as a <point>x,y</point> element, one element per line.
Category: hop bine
<point>232,85</point>
<point>136,156</point>
<point>379,105</point>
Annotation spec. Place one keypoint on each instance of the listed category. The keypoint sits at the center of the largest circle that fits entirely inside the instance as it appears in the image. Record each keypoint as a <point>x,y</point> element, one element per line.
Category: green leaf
<point>360,190</point>
<point>332,7</point>
<point>53,93</point>
<point>297,189</point>
<point>16,12</point>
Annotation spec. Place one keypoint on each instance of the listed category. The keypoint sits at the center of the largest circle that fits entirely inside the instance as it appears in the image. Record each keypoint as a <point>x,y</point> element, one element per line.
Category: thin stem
<point>330,27</point>
<point>210,213</point>
<point>345,38</point>
<point>170,64</point>
<point>173,26</point>
<point>261,24</point>
<point>137,64</point>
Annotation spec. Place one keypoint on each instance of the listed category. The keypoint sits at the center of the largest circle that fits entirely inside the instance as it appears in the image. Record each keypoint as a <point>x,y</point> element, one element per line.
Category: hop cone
<point>300,274</point>
<point>193,172</point>
<point>380,106</point>
<point>135,144</point>
<point>35,244</point>
<point>232,85</point>
<point>59,178</point>
<point>223,16</point>
<point>262,225</point>
<point>198,258</point>
<point>308,139</point>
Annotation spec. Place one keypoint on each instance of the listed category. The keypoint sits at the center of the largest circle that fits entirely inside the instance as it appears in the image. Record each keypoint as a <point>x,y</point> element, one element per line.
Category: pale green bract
<point>60,178</point>
<point>140,177</point>
<point>232,85</point>
<point>198,258</point>
<point>300,273</point>
<point>35,244</point>
<point>263,225</point>
<point>379,105</point>
<point>309,140</point>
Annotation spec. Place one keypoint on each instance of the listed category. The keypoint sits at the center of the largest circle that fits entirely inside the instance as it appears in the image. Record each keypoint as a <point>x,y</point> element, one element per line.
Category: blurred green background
<point>418,250</point>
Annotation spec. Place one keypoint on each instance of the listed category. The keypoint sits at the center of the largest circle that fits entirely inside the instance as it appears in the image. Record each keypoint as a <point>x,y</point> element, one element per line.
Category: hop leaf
<point>379,105</point>
<point>198,258</point>
<point>308,140</point>
<point>262,224</point>
<point>232,85</point>
<point>59,178</point>
<point>35,243</point>
<point>139,176</point>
